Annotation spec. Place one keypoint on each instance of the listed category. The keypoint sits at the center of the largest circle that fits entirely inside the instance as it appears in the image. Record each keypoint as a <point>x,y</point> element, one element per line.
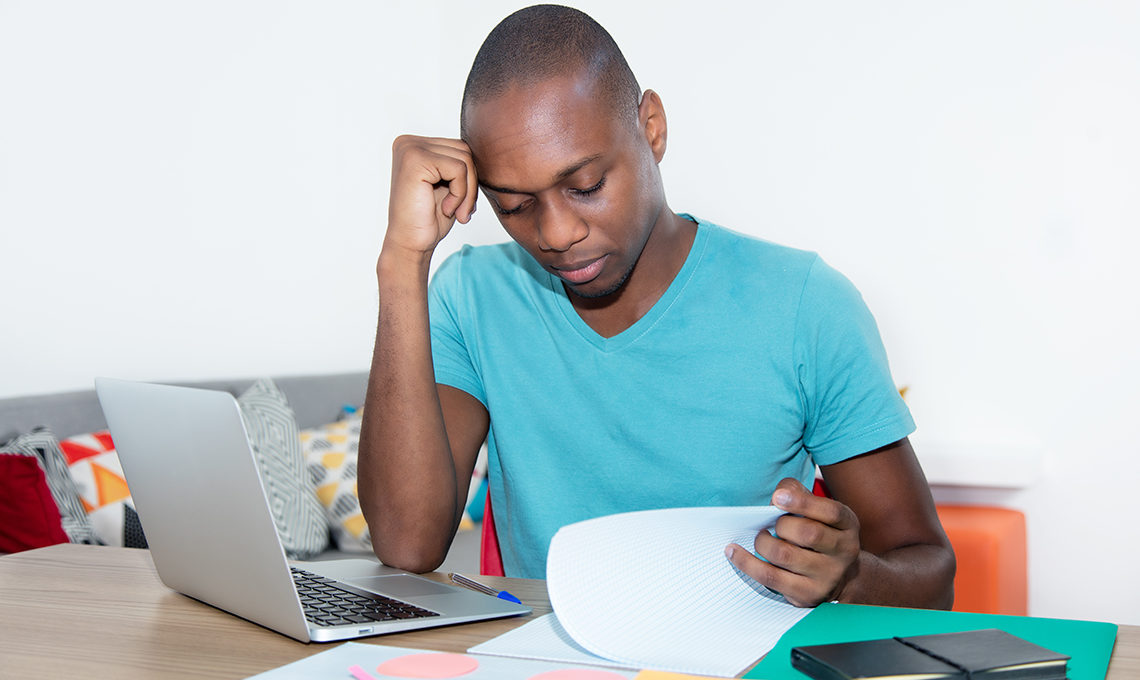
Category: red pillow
<point>29,517</point>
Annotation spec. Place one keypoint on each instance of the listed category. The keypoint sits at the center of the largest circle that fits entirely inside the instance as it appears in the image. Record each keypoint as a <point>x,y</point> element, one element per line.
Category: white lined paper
<point>653,589</point>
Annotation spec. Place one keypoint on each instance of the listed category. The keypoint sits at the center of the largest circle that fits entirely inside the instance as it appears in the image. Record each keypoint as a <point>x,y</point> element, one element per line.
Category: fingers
<point>799,590</point>
<point>796,532</point>
<point>813,552</point>
<point>433,185</point>
<point>462,183</point>
<point>440,163</point>
<point>794,498</point>
<point>467,206</point>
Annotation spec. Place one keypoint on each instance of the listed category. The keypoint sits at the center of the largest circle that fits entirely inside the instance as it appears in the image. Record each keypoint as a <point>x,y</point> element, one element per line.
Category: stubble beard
<point>605,292</point>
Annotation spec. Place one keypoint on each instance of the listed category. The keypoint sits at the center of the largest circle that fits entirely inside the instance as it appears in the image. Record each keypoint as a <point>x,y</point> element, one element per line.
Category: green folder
<point>1089,643</point>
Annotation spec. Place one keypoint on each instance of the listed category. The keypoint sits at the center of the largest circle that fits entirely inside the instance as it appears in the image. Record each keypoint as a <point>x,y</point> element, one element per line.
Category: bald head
<point>546,41</point>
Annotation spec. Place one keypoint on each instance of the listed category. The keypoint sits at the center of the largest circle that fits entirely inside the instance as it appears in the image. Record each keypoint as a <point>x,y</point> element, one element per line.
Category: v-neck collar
<point>646,322</point>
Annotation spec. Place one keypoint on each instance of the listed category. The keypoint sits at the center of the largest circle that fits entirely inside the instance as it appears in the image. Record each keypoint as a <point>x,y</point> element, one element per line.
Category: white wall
<point>194,190</point>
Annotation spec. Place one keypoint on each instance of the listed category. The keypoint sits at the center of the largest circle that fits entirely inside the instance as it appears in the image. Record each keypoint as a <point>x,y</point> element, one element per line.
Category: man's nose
<point>560,228</point>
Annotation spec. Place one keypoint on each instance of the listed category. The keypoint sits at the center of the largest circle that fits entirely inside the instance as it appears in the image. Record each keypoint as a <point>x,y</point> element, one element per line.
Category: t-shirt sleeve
<point>851,403</point>
<point>450,352</point>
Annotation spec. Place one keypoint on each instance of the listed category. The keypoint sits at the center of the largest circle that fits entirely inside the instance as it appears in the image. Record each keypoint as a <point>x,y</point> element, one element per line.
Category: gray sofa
<point>315,399</point>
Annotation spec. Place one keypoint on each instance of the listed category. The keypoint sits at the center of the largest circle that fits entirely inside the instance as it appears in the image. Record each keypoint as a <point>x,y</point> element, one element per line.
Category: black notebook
<point>975,654</point>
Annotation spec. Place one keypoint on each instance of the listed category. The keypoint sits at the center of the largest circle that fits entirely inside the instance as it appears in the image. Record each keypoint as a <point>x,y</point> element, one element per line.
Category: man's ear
<point>651,120</point>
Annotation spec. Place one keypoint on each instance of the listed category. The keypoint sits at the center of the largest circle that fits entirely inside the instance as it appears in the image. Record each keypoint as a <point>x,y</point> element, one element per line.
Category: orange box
<point>989,543</point>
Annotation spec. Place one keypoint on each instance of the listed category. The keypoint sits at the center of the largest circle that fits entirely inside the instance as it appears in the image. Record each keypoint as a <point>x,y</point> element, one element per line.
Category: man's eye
<point>510,211</point>
<point>587,192</point>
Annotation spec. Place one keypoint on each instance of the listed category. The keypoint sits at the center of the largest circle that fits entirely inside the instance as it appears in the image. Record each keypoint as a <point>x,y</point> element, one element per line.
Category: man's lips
<point>581,272</point>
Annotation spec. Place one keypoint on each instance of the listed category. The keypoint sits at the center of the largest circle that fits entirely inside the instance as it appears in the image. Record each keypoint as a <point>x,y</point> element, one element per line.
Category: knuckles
<point>812,535</point>
<point>781,553</point>
<point>839,515</point>
<point>800,589</point>
<point>807,561</point>
<point>802,531</point>
<point>403,144</point>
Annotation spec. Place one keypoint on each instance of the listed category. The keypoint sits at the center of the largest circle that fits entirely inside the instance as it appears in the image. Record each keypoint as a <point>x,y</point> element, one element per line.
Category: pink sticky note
<point>359,673</point>
<point>429,666</point>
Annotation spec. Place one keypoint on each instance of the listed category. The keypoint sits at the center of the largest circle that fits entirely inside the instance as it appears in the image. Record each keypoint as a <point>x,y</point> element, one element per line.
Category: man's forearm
<point>905,557</point>
<point>920,576</point>
<point>407,479</point>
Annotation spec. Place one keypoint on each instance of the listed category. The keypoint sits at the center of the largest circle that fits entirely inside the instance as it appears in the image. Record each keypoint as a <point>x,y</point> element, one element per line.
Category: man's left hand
<point>814,553</point>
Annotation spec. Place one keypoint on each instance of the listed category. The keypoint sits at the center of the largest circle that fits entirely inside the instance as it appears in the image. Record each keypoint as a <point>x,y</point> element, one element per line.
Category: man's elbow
<point>948,569</point>
<point>410,555</point>
<point>405,538</point>
<point>409,541</point>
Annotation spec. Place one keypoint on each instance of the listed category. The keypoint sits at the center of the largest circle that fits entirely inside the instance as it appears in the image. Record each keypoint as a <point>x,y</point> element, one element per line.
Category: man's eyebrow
<point>561,175</point>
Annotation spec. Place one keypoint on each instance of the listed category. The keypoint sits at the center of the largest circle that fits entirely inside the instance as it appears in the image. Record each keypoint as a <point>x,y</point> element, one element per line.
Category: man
<point>619,356</point>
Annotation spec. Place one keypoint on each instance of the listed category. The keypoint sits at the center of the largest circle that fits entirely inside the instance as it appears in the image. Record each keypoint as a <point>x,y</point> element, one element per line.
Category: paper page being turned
<point>653,589</point>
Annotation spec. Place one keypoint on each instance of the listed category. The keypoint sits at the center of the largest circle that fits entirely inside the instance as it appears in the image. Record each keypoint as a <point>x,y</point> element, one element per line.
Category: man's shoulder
<point>755,254</point>
<point>484,262</point>
<point>490,255</point>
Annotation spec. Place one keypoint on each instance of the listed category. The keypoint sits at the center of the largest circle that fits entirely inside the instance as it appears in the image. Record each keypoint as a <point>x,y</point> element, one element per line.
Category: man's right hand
<point>433,184</point>
<point>418,440</point>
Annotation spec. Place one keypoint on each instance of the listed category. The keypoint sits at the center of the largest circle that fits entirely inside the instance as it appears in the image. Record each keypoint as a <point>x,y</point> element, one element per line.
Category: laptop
<point>196,487</point>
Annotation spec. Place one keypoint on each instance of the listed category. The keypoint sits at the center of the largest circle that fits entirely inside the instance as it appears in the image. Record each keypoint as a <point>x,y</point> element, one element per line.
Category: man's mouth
<point>581,272</point>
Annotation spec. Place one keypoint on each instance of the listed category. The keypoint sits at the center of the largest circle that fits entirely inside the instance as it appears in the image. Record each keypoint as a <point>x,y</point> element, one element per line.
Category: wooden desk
<point>96,612</point>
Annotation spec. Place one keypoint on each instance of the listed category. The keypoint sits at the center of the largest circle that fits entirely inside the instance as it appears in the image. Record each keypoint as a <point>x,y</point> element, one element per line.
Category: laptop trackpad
<point>401,586</point>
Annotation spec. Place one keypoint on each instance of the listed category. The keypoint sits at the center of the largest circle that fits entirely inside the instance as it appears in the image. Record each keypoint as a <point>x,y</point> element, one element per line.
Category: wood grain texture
<point>93,611</point>
<point>99,612</point>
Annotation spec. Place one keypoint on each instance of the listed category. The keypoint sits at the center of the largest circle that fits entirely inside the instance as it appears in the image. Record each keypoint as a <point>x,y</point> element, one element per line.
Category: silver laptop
<point>195,485</point>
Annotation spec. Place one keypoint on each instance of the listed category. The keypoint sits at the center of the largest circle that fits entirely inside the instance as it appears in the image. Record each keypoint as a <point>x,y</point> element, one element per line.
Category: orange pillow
<point>98,477</point>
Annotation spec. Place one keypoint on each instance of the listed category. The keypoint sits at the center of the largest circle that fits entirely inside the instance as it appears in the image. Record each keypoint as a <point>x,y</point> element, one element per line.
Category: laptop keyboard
<point>329,603</point>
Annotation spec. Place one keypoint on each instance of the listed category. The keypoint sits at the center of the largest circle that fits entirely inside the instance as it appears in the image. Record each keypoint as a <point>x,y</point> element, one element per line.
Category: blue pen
<point>475,585</point>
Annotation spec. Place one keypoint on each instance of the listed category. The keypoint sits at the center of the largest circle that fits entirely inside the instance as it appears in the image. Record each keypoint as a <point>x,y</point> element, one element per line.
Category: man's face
<point>573,184</point>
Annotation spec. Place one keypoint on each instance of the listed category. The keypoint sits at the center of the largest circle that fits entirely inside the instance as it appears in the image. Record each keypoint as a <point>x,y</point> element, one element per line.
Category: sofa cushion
<point>98,477</point>
<point>29,517</point>
<point>330,452</point>
<point>275,440</point>
<point>41,443</point>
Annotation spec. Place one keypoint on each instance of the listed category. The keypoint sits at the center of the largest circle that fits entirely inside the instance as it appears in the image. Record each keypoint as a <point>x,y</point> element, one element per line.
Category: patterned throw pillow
<point>94,467</point>
<point>276,444</point>
<point>41,443</point>
<point>331,453</point>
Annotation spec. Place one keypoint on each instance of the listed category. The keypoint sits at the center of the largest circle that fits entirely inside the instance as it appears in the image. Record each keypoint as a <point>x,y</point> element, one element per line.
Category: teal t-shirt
<point>758,362</point>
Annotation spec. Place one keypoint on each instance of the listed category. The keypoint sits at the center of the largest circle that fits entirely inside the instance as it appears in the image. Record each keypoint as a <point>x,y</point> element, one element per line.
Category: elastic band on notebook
<point>955,664</point>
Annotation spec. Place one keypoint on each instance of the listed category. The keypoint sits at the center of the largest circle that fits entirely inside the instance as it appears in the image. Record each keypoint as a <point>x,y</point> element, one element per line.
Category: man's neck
<point>661,260</point>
